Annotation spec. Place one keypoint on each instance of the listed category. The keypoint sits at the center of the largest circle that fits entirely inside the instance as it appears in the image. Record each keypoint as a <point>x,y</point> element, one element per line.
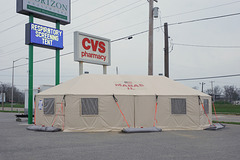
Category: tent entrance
<point>144,111</point>
<point>59,118</point>
<point>140,113</point>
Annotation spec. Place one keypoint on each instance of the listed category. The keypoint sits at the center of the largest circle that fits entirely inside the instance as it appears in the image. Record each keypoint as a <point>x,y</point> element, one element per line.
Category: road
<point>18,143</point>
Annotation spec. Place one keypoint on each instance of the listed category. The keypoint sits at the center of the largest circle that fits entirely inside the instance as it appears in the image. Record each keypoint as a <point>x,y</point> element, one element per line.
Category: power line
<point>213,77</point>
<point>12,51</point>
<point>73,18</point>
<point>204,46</point>
<point>12,43</point>
<point>182,23</point>
<point>186,79</point>
<point>24,20</point>
<point>35,61</point>
<point>212,7</point>
<point>107,15</point>
<point>8,19</point>
<point>125,27</point>
<point>204,19</point>
<point>162,17</point>
<point>159,27</point>
<point>21,48</point>
<point>70,29</point>
<point>94,9</point>
<point>12,26</point>
<point>6,10</point>
<point>190,21</point>
<point>114,16</point>
<point>135,34</point>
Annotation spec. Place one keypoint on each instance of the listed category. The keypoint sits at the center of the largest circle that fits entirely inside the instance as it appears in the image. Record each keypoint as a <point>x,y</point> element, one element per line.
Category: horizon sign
<point>92,49</point>
<point>50,10</point>
<point>43,36</point>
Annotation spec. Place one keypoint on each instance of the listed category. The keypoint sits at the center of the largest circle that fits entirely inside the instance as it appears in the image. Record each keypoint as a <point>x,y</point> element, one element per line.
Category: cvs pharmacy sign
<point>91,49</point>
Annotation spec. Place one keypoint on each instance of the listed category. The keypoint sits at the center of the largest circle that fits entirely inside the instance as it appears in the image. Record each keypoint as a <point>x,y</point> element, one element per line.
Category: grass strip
<point>237,123</point>
<point>227,108</point>
<point>8,105</point>
<point>12,111</point>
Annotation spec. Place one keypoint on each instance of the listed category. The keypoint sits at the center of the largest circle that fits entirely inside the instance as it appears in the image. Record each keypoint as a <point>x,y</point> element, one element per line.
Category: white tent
<point>113,102</point>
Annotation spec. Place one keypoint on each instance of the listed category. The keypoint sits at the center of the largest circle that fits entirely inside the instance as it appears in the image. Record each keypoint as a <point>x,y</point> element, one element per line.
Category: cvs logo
<point>94,44</point>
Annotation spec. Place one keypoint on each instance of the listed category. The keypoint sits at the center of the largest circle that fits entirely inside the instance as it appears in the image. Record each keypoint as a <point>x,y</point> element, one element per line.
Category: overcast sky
<point>115,19</point>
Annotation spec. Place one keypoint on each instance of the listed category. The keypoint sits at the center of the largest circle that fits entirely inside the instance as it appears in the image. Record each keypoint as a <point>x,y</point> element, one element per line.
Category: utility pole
<point>202,85</point>
<point>166,51</point>
<point>150,38</point>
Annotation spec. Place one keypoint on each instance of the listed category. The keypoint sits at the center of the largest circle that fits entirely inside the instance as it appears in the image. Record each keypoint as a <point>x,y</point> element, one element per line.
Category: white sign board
<point>50,10</point>
<point>92,49</point>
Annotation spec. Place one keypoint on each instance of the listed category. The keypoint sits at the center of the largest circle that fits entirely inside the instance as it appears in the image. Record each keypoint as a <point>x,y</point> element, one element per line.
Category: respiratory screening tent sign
<point>44,36</point>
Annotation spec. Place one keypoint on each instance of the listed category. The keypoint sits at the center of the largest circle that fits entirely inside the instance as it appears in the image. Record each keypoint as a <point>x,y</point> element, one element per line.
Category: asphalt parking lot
<point>17,143</point>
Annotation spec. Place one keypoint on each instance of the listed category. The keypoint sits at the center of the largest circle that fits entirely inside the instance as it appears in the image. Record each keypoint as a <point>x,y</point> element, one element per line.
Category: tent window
<point>178,106</point>
<point>206,105</point>
<point>48,105</point>
<point>89,106</point>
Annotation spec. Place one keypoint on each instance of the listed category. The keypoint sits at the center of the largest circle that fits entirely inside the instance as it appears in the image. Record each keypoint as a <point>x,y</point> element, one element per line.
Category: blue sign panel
<point>44,36</point>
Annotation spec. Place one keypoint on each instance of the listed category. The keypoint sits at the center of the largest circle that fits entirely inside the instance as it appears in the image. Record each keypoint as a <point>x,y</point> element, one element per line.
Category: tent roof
<point>89,84</point>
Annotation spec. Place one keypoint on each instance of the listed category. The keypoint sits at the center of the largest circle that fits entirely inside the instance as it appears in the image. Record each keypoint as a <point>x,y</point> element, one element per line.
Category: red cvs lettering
<point>101,48</point>
<point>84,43</point>
<point>94,44</point>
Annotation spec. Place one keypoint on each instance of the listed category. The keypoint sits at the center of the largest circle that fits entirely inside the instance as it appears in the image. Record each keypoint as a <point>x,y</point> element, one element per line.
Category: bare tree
<point>18,95</point>
<point>217,90</point>
<point>230,93</point>
<point>209,92</point>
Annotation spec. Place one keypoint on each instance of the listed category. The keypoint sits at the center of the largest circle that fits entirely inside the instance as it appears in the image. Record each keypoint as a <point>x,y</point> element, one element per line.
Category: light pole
<point>13,80</point>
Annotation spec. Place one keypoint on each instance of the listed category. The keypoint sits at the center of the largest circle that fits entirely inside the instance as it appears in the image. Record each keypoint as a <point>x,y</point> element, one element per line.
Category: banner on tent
<point>129,85</point>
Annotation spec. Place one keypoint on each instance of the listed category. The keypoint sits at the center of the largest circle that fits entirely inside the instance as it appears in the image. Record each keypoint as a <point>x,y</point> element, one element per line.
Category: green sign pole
<point>57,79</point>
<point>30,79</point>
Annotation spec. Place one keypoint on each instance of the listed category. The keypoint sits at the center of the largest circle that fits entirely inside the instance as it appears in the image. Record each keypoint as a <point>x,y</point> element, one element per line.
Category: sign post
<point>30,79</point>
<point>104,69</point>
<point>57,74</point>
<point>58,11</point>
